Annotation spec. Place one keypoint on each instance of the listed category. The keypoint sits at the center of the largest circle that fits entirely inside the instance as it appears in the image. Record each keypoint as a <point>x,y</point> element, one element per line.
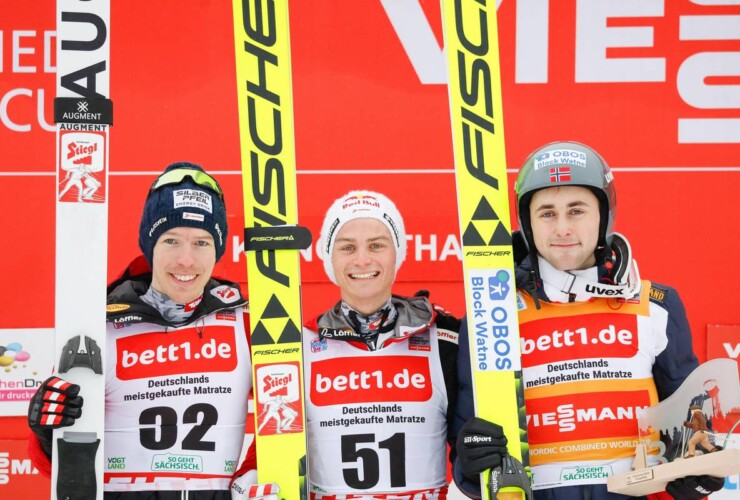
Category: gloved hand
<point>694,487</point>
<point>56,404</point>
<point>480,446</point>
<point>246,487</point>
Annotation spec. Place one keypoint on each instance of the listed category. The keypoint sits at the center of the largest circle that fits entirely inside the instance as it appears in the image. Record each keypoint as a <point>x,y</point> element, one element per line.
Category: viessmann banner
<point>652,85</point>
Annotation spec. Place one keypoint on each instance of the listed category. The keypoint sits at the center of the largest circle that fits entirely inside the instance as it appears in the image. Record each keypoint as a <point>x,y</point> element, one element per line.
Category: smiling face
<point>364,262</point>
<point>182,263</point>
<point>565,226</point>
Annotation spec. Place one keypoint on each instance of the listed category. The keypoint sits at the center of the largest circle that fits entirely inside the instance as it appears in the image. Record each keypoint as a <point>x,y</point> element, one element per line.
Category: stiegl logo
<point>273,383</point>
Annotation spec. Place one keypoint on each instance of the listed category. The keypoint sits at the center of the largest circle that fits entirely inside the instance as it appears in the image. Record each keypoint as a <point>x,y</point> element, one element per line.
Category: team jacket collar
<point>415,315</point>
<point>125,306</point>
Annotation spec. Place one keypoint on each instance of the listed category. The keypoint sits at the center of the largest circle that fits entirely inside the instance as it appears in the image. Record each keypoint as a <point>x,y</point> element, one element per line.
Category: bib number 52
<point>367,475</point>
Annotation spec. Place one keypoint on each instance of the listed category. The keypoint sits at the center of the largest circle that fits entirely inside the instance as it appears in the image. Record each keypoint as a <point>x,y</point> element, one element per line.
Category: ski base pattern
<point>83,114</point>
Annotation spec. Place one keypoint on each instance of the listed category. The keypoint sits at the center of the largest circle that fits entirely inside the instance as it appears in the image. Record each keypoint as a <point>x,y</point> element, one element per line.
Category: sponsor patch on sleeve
<point>657,293</point>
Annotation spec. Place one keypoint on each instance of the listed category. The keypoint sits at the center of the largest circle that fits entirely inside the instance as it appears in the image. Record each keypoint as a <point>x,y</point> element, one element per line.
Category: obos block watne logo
<point>278,399</point>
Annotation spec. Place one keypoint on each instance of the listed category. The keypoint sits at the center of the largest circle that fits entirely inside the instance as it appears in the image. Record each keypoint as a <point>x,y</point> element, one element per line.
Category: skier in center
<point>594,337</point>
<point>379,368</point>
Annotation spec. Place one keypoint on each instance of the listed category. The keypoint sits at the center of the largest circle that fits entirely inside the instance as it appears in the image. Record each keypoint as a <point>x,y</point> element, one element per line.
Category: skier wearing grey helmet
<point>576,279</point>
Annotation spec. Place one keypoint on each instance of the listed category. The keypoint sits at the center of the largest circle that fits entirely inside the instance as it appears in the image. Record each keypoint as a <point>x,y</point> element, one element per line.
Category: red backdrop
<point>654,86</point>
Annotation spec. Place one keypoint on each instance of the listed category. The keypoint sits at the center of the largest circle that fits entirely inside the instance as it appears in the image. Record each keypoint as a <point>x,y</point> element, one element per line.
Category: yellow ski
<point>471,45</point>
<point>272,239</point>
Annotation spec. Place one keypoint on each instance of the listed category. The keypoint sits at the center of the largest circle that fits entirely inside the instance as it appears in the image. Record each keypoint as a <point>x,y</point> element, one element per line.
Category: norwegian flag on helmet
<point>559,174</point>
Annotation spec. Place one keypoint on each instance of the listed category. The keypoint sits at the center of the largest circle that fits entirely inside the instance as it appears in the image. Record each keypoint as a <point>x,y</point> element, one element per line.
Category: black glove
<point>694,487</point>
<point>56,404</point>
<point>480,446</point>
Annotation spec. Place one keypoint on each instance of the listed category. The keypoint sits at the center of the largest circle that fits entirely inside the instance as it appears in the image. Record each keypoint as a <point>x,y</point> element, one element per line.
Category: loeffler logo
<point>585,416</point>
<point>370,380</point>
<point>176,352</point>
<point>604,335</point>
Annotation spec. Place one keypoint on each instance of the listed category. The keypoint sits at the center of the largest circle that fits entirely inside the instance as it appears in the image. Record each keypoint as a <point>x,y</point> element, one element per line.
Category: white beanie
<point>361,205</point>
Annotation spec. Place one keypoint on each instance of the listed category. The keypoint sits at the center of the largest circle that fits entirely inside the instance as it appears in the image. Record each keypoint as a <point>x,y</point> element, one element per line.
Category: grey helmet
<point>567,164</point>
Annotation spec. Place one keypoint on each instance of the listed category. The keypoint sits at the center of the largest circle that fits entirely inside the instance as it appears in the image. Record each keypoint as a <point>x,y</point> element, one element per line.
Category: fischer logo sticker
<point>357,380</point>
<point>156,355</point>
<point>81,174</point>
<point>278,402</point>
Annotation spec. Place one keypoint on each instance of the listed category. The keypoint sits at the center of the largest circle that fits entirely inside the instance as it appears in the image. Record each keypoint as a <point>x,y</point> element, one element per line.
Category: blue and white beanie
<point>185,204</point>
